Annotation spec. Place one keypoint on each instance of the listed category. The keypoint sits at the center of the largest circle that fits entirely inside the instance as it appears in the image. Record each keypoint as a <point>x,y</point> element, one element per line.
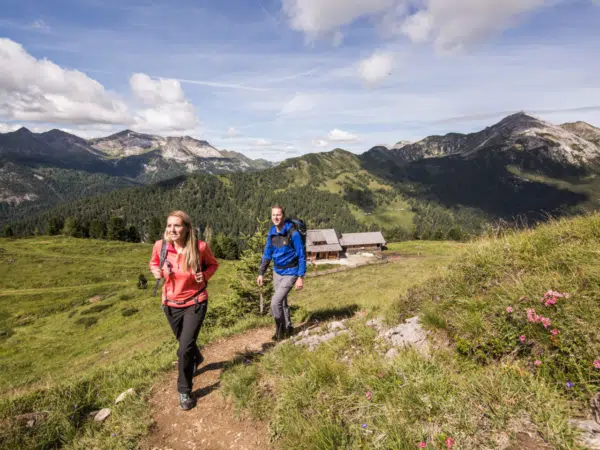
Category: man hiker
<point>285,247</point>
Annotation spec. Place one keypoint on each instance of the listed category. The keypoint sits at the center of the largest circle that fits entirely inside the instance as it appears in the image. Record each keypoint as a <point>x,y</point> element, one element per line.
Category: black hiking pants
<point>186,324</point>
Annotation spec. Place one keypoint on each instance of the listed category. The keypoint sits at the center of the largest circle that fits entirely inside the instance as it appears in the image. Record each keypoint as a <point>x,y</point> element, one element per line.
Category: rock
<point>590,432</point>
<point>595,404</point>
<point>30,423</point>
<point>32,417</point>
<point>313,342</point>
<point>336,326</point>
<point>123,395</point>
<point>376,323</point>
<point>95,299</point>
<point>391,353</point>
<point>102,415</point>
<point>93,413</point>
<point>409,334</point>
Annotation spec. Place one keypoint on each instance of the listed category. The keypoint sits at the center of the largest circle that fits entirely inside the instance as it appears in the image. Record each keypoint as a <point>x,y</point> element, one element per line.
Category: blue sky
<point>279,78</point>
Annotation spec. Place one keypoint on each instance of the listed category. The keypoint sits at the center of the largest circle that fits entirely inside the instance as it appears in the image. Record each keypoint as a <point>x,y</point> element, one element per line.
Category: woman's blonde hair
<point>191,257</point>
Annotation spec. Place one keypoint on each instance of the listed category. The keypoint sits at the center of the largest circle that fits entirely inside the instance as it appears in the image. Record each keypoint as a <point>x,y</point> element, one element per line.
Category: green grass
<point>46,340</point>
<point>315,400</point>
<point>481,389</point>
<point>390,215</point>
<point>373,288</point>
<point>75,331</point>
<point>425,248</point>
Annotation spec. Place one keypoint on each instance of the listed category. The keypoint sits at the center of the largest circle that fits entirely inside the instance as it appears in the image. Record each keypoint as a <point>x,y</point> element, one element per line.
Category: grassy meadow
<point>514,320</point>
<point>75,330</point>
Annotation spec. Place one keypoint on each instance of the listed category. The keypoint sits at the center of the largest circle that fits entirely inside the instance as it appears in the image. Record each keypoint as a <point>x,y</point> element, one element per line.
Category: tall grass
<point>503,373</point>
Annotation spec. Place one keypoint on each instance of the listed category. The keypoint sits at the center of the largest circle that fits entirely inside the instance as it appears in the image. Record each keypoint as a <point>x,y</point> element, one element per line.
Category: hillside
<point>41,170</point>
<point>510,169</point>
<point>512,360</point>
<point>519,170</point>
<point>100,335</point>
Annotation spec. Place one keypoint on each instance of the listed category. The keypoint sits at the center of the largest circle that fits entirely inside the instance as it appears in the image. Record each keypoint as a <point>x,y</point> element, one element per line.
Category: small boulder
<point>590,433</point>
<point>409,334</point>
<point>123,395</point>
<point>336,326</point>
<point>391,353</point>
<point>376,323</point>
<point>102,415</point>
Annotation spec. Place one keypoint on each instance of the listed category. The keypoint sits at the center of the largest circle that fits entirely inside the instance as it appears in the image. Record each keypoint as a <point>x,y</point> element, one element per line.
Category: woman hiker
<point>188,265</point>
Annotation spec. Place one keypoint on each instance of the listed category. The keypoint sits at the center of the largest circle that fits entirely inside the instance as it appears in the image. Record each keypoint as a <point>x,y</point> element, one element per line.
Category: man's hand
<point>259,280</point>
<point>299,284</point>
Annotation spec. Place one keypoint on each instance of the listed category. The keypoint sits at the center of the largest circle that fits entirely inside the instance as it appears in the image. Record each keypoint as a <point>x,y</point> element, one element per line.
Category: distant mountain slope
<point>584,130</point>
<point>98,165</point>
<point>516,133</point>
<point>520,166</point>
<point>488,170</point>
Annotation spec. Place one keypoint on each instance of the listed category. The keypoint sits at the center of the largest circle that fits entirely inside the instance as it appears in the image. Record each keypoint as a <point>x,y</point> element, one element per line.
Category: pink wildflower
<point>449,442</point>
<point>522,338</point>
<point>369,395</point>
<point>537,362</point>
<point>532,316</point>
<point>422,444</point>
<point>597,363</point>
<point>555,332</point>
<point>550,301</point>
<point>546,322</point>
<point>509,309</point>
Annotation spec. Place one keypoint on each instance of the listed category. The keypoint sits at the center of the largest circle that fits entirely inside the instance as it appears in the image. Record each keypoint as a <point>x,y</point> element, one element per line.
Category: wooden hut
<point>362,242</point>
<point>322,245</point>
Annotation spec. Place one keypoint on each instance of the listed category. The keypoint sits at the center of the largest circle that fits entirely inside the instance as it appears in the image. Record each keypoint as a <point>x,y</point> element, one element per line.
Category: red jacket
<point>181,289</point>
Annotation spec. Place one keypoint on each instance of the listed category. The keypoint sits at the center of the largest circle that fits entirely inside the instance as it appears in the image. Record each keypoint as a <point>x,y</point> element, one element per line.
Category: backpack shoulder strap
<point>163,257</point>
<point>163,253</point>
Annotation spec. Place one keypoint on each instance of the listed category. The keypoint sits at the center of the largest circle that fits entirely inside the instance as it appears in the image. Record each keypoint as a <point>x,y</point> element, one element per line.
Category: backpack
<point>300,227</point>
<point>163,258</point>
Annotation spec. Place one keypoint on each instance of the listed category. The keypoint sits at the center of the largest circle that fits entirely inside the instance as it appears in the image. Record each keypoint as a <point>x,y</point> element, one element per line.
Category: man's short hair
<point>278,207</point>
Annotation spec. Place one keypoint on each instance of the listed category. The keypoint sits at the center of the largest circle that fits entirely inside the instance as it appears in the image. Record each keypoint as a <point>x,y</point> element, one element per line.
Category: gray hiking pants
<point>283,284</point>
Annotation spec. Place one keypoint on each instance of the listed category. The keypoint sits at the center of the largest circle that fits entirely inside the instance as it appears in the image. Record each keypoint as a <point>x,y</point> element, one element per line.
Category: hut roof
<point>372,238</point>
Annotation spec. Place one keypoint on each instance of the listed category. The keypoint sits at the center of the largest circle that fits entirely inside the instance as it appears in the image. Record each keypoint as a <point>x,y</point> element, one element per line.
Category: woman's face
<point>176,230</point>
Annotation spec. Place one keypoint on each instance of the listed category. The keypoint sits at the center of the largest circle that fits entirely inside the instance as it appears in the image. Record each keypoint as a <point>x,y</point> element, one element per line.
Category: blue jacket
<point>283,252</point>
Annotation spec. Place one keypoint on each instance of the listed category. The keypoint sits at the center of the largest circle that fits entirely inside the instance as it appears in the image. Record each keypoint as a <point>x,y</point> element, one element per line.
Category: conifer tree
<point>249,296</point>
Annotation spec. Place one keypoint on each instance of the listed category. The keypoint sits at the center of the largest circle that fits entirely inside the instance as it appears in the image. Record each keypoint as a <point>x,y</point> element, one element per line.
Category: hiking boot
<point>279,331</point>
<point>186,401</point>
<point>289,331</point>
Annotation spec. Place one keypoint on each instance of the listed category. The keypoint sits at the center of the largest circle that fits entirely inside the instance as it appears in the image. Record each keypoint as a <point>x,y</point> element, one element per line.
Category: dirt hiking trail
<point>212,423</point>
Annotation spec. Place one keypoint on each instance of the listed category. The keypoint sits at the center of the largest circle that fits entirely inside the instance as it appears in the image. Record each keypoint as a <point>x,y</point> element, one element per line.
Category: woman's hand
<point>157,273</point>
<point>199,276</point>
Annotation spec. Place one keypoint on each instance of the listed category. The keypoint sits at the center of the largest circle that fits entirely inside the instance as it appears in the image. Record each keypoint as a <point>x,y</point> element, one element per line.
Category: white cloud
<point>320,143</point>
<point>232,132</point>
<point>263,143</point>
<point>338,135</point>
<point>301,102</point>
<point>450,24</point>
<point>39,25</point>
<point>39,90</point>
<point>376,67</point>
<point>167,107</point>
<point>8,127</point>
<point>317,18</point>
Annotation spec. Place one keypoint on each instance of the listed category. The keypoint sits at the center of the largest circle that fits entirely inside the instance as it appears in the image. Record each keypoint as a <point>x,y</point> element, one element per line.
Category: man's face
<point>277,216</point>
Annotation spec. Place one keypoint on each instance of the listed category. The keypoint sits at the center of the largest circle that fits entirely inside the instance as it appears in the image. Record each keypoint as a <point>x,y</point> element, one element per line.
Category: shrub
<point>87,321</point>
<point>129,312</point>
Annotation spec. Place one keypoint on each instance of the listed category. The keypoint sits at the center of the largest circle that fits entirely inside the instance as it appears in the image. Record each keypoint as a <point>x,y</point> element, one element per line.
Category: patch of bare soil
<point>212,424</point>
